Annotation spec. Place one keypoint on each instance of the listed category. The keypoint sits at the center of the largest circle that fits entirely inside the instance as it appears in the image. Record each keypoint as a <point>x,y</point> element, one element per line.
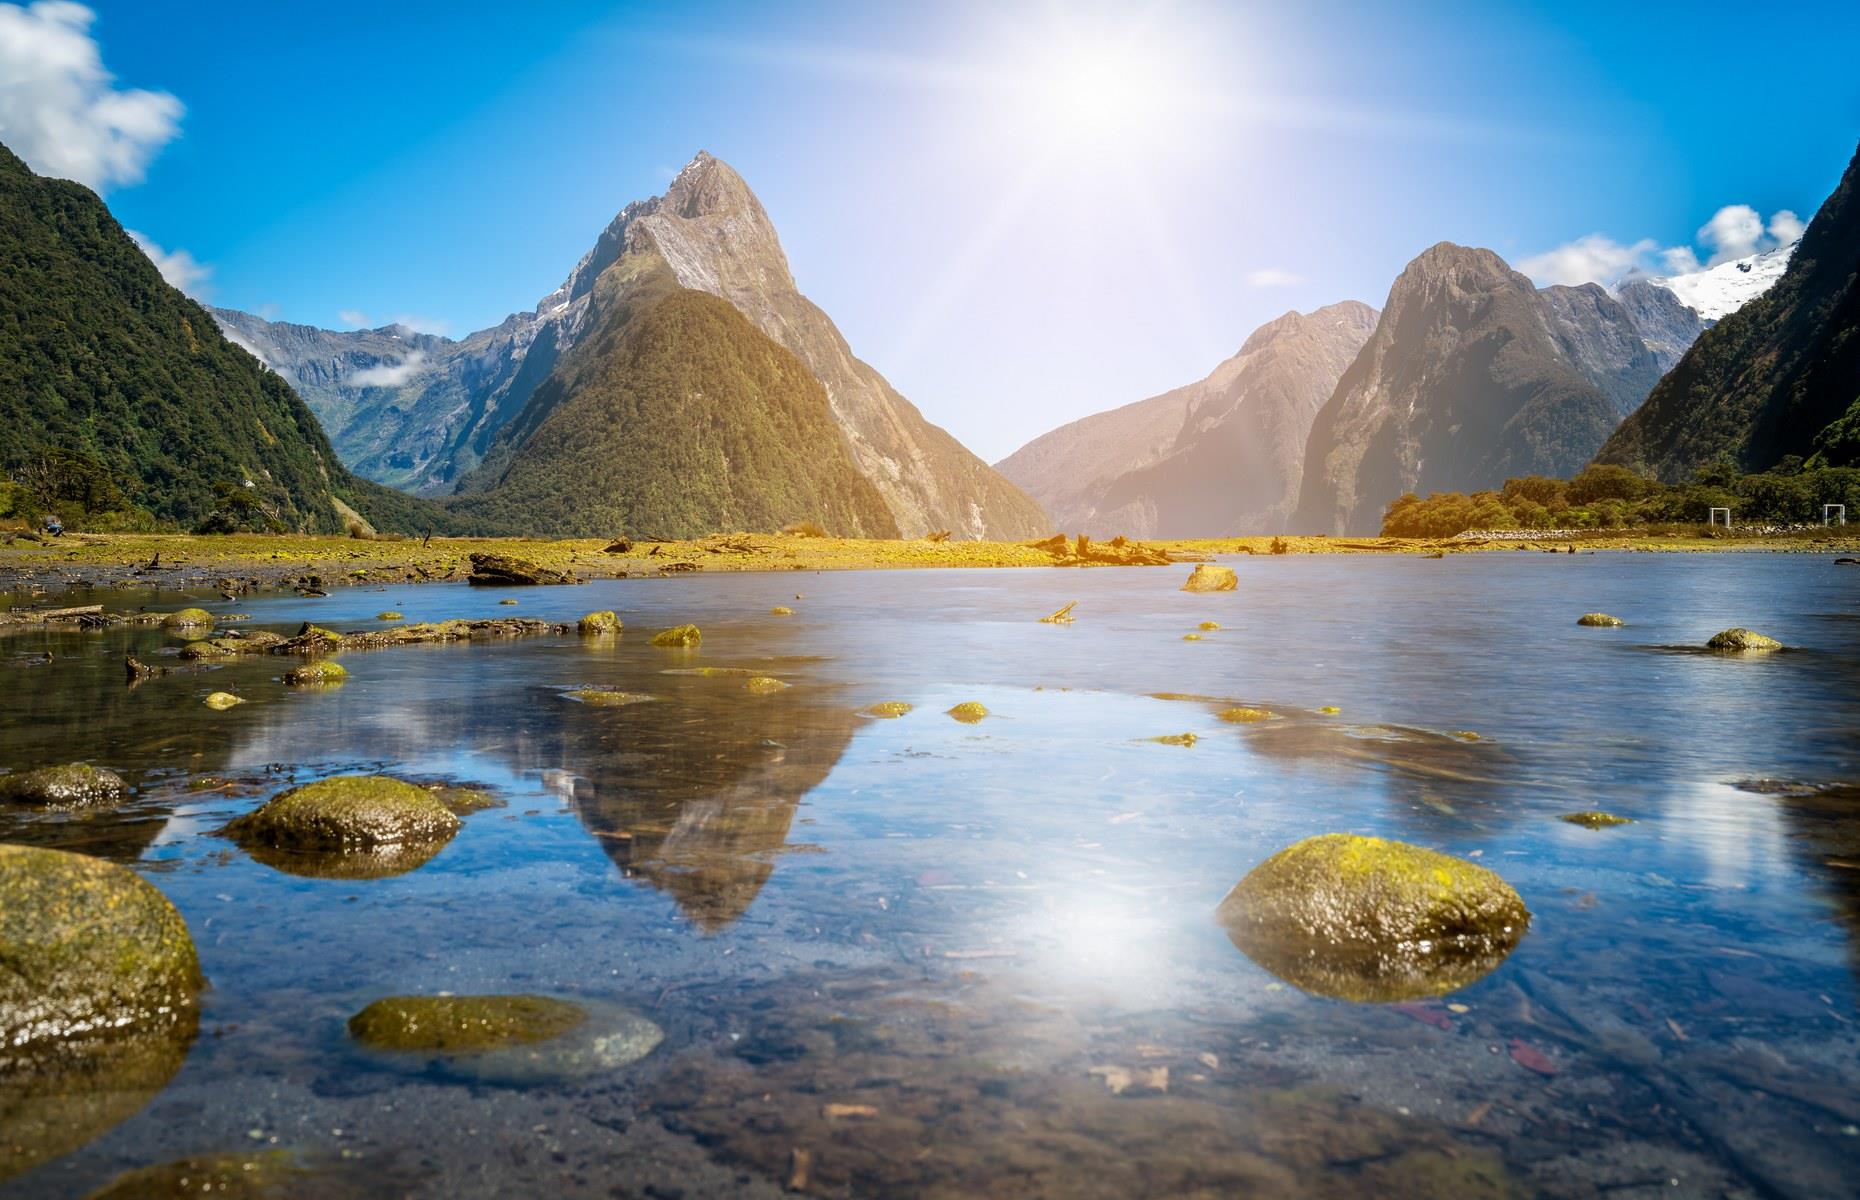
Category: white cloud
<point>390,375</point>
<point>438,326</point>
<point>355,317</point>
<point>1266,277</point>
<point>178,267</point>
<point>1734,231</point>
<point>60,109</point>
<point>233,337</point>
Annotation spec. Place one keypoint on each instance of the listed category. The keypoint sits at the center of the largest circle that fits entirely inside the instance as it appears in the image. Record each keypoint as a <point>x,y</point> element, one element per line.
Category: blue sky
<point>1020,213</point>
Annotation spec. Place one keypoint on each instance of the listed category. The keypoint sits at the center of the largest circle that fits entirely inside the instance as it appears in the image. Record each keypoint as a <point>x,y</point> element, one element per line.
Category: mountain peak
<point>708,186</point>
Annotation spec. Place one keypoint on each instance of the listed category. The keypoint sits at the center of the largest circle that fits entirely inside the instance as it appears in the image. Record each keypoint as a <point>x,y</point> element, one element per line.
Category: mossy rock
<point>462,1024</point>
<point>265,1175</point>
<point>461,799</point>
<point>1210,577</point>
<point>595,624</point>
<point>219,648</point>
<point>1209,626</point>
<point>606,697</point>
<point>1362,918</point>
<point>1330,710</point>
<point>348,812</point>
<point>1191,637</point>
<point>781,610</point>
<point>1177,739</point>
<point>72,786</point>
<point>713,672</point>
<point>1595,820</point>
<point>187,618</point>
<point>763,685</point>
<point>1242,715</point>
<point>1599,620</point>
<point>507,601</point>
<point>389,615</point>
<point>681,635</point>
<point>888,709</point>
<point>321,673</point>
<point>969,712</point>
<point>87,946</point>
<point>1738,640</point>
<point>221,701</point>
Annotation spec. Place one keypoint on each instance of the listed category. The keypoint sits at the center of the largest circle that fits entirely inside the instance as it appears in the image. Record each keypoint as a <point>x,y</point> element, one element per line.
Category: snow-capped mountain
<point>1717,292</point>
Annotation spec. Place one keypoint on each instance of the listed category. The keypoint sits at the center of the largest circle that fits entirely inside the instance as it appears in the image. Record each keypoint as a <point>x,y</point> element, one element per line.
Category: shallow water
<point>997,941</point>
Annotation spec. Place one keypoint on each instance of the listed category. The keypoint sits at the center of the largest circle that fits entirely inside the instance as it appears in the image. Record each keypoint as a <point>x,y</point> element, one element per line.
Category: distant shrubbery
<point>1603,497</point>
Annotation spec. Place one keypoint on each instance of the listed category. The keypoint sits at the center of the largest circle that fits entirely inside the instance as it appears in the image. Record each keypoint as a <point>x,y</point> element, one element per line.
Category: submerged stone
<point>462,800</point>
<point>1244,715</point>
<point>1595,820</point>
<point>606,697</point>
<point>763,685</point>
<point>187,618</point>
<point>348,812</point>
<point>680,635</point>
<point>321,673</point>
<point>74,785</point>
<point>506,601</point>
<point>519,1040</point>
<point>1741,639</point>
<point>1209,626</point>
<point>88,946</point>
<point>1330,710</point>
<point>781,610</point>
<point>1366,919</point>
<point>222,701</point>
<point>1210,577</point>
<point>1177,739</point>
<point>597,623</point>
<point>265,1175</point>
<point>1602,620</point>
<point>389,615</point>
<point>888,709</point>
<point>969,712</point>
<point>1191,637</point>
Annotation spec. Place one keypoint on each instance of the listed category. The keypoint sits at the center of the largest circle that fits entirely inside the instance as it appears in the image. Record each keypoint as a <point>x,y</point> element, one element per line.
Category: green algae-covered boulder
<point>969,711</point>
<point>1599,620</point>
<point>72,786</point>
<point>1595,820</point>
<point>681,635</point>
<point>1210,577</point>
<point>262,1175</point>
<point>595,624</point>
<point>462,1024</point>
<point>187,618</point>
<point>87,946</point>
<point>518,1040</point>
<point>1734,641</point>
<point>1366,919</point>
<point>348,812</point>
<point>888,709</point>
<point>320,673</point>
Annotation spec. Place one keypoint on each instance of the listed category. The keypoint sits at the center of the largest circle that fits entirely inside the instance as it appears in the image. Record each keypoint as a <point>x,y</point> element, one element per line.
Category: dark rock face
<point>1665,323</point>
<point>501,570</point>
<point>1467,381</point>
<point>1597,334</point>
<point>1219,457</point>
<point>1778,377</point>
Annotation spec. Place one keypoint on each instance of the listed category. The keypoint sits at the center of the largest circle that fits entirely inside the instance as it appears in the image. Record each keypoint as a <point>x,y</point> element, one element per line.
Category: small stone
<point>1330,710</point>
<point>968,712</point>
<point>781,610</point>
<point>506,601</point>
<point>320,673</point>
<point>1741,639</point>
<point>1177,739</point>
<point>389,615</point>
<point>222,701</point>
<point>462,1024</point>
<point>1210,626</point>
<point>1595,820</point>
<point>680,635</point>
<point>1599,620</point>
<point>1210,577</point>
<point>347,812</point>
<point>1191,637</point>
<point>606,697</point>
<point>1244,715</point>
<point>763,685</point>
<point>888,709</point>
<point>187,618</point>
<point>75,785</point>
<point>597,623</point>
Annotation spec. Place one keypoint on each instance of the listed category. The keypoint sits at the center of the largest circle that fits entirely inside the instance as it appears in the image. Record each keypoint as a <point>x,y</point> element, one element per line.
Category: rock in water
<point>969,711</point>
<point>321,673</point>
<point>1209,577</point>
<point>888,709</point>
<point>223,700</point>
<point>345,814</point>
<point>88,947</point>
<point>75,785</point>
<point>1366,919</point>
<point>501,570</point>
<point>763,685</point>
<point>1740,639</point>
<point>597,623</point>
<point>1599,620</point>
<point>462,1024</point>
<point>1595,820</point>
<point>187,618</point>
<point>682,635</point>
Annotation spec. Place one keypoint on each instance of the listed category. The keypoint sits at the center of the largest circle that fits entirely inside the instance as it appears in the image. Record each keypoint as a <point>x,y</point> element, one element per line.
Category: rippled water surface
<point>923,957</point>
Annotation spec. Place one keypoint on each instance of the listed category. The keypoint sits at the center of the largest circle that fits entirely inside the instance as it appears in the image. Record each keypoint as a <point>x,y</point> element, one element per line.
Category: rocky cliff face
<point>1222,456</point>
<point>1779,376</point>
<point>426,422</point>
<point>1472,376</point>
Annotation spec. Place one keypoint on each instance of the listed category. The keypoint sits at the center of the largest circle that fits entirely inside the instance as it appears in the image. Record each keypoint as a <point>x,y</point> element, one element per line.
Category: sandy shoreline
<point>40,572</point>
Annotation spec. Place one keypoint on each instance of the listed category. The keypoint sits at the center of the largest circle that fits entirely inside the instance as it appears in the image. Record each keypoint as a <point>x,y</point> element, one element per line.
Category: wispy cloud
<point>437,326</point>
<point>1268,277</point>
<point>62,112</point>
<point>1734,231</point>
<point>355,317</point>
<point>390,374</point>
<point>178,267</point>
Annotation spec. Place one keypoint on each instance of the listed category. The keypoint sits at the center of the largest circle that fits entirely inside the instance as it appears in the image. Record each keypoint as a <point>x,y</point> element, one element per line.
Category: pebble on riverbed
<point>508,1039</point>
